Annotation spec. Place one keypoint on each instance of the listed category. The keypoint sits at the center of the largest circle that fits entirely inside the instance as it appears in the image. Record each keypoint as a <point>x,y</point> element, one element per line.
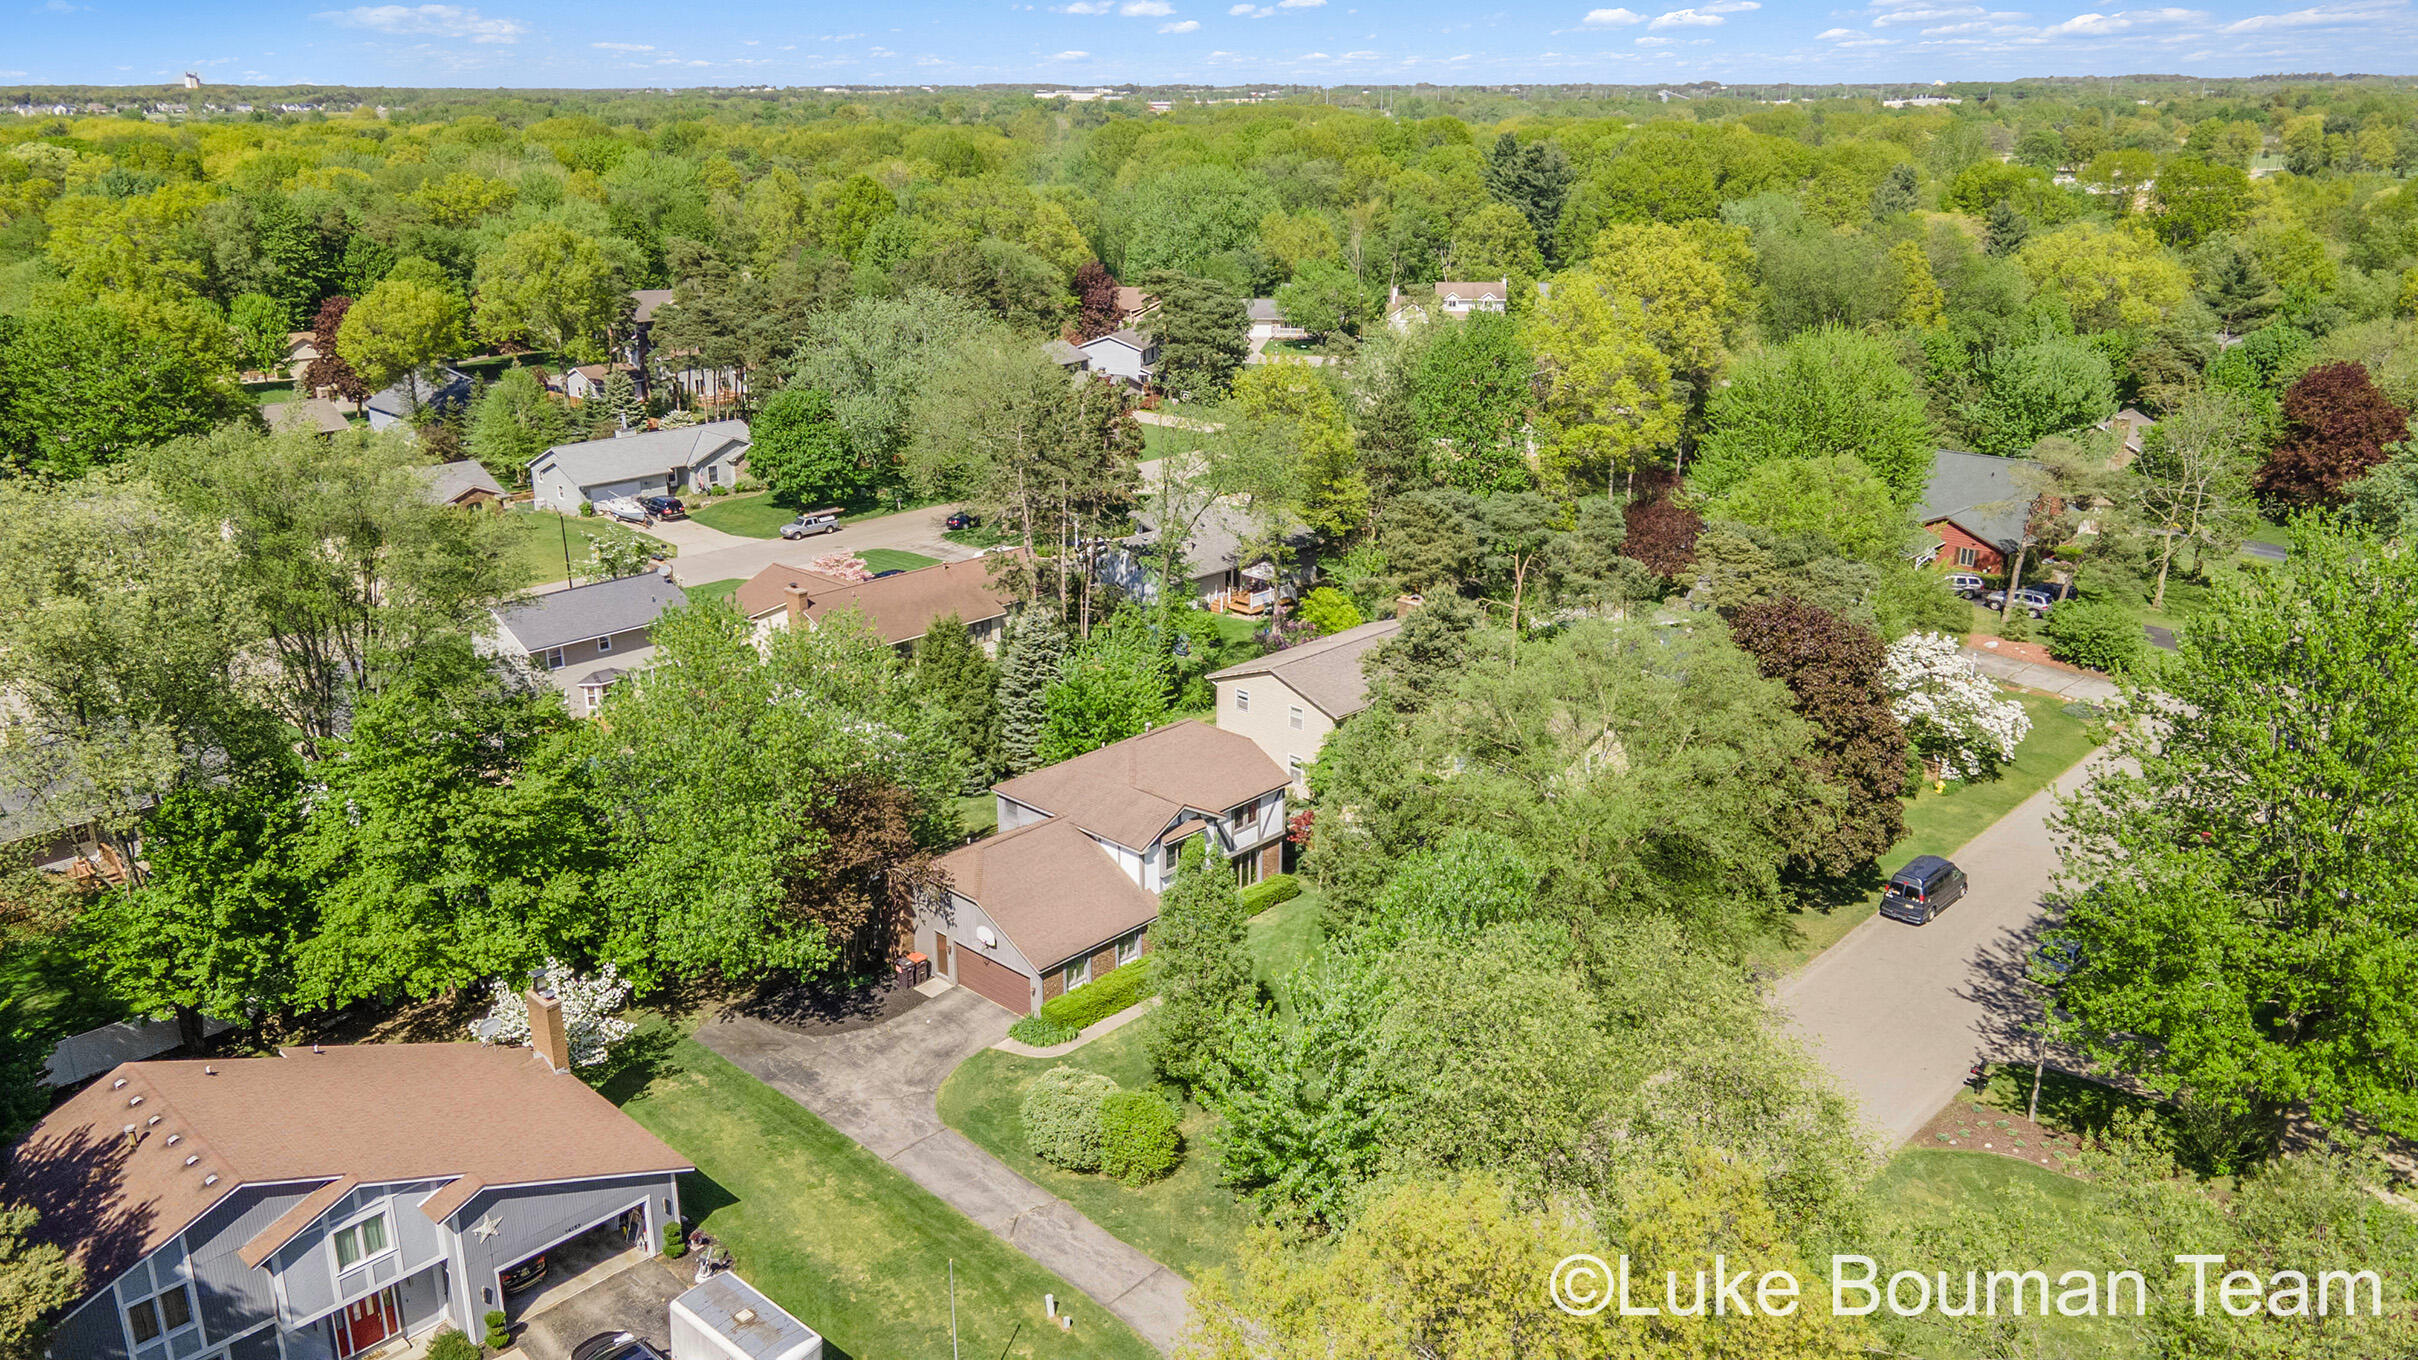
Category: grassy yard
<point>1937,823</point>
<point>1189,1221</point>
<point>1158,441</point>
<point>895,559</point>
<point>979,813</point>
<point>747,516</point>
<point>831,1233</point>
<point>533,543</point>
<point>46,991</point>
<point>713,590</point>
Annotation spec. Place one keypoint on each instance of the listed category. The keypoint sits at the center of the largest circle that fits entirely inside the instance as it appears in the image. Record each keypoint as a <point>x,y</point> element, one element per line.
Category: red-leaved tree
<point>2336,427</point>
<point>1833,672</point>
<point>329,370</point>
<point>1662,536</point>
<point>1096,299</point>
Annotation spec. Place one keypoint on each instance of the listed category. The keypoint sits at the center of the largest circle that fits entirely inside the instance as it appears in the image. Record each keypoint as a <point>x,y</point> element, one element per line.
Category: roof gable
<point>591,461</point>
<point>596,610</point>
<point>1132,790</point>
<point>1327,672</point>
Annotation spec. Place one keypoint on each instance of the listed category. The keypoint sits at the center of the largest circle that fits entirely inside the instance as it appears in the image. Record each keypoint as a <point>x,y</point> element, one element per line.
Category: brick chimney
<point>546,1033</point>
<point>798,600</point>
<point>1405,604</point>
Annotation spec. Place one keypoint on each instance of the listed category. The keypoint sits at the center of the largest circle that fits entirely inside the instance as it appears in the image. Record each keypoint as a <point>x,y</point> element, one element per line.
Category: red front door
<point>366,1322</point>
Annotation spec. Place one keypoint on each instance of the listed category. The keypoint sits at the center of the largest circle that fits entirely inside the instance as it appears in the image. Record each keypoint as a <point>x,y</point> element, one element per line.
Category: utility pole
<point>565,526</point>
<point>952,1308</point>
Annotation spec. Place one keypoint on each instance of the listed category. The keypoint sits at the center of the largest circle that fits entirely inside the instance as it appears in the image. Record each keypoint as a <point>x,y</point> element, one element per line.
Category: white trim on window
<point>1076,974</point>
<point>555,660</point>
<point>604,644</point>
<point>1297,721</point>
<point>358,1233</point>
<point>1129,949</point>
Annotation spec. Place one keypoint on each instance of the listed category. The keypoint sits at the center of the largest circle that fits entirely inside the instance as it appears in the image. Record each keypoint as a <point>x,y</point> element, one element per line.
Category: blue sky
<point>1327,42</point>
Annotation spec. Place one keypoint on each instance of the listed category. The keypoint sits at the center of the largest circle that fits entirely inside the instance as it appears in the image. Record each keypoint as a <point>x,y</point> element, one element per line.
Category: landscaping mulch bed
<point>831,1010</point>
<point>1968,1125</point>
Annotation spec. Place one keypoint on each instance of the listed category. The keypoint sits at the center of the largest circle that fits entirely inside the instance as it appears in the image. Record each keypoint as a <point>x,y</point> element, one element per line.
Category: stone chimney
<point>546,1033</point>
<point>1405,605</point>
<point>798,600</point>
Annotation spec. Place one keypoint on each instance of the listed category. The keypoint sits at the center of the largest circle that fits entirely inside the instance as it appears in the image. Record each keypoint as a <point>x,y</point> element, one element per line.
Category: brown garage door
<point>995,980</point>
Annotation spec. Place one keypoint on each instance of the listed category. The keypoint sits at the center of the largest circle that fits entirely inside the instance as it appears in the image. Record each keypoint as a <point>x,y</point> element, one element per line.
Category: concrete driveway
<point>634,1300</point>
<point>1900,1012</point>
<point>878,1086</point>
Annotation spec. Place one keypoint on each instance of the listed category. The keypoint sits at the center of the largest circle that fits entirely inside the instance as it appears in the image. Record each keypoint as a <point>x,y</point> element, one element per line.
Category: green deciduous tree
<point>1605,405</point>
<point>1468,395</point>
<point>801,450</point>
<point>2047,387</point>
<point>553,288</point>
<point>513,422</point>
<point>1835,498</point>
<point>1829,393</point>
<point>1110,686</point>
<point>85,387</point>
<point>2191,484</point>
<point>398,328</point>
<point>37,1280</point>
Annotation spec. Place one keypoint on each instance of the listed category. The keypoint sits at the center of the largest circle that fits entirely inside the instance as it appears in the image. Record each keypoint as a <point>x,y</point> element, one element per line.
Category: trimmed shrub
<point>1268,892</point>
<point>499,1330</point>
<point>452,1345</point>
<point>675,1241</point>
<point>1040,1031</point>
<point>1139,1141</point>
<point>1096,1001</point>
<point>2096,633</point>
<point>1062,1117</point>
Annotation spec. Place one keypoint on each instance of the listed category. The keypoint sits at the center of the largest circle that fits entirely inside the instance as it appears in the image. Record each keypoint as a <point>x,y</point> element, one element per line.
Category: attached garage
<point>994,980</point>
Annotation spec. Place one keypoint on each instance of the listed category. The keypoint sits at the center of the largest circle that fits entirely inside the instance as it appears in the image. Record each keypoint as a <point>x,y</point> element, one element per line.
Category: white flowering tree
<point>1955,717</point>
<point>588,1004</point>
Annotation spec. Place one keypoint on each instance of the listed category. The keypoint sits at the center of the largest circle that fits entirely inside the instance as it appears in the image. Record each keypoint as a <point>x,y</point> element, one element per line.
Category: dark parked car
<point>963,519</point>
<point>1922,890</point>
<point>525,1275</point>
<point>664,507</point>
<point>615,1346</point>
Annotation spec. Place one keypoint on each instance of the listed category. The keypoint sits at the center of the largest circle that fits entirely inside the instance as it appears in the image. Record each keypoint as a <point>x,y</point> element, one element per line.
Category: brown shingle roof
<point>1129,791</point>
<point>901,608</point>
<point>1055,891</point>
<point>372,1112</point>
<point>1325,672</point>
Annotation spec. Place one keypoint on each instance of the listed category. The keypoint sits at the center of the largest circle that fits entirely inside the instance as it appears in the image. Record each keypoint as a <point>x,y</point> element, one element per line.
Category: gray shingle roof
<point>1262,309</point>
<point>590,611</point>
<point>1325,672</point>
<point>449,481</point>
<point>1978,494</point>
<point>637,455</point>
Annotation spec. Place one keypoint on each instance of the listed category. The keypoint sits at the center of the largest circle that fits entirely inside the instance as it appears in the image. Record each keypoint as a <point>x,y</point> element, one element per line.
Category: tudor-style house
<point>1067,889</point>
<point>331,1202</point>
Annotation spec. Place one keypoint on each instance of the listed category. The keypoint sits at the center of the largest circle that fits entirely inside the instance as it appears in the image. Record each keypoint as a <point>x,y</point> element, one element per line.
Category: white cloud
<point>1315,56</point>
<point>437,21</point>
<point>1360,56</point>
<point>2108,25</point>
<point>1611,18</point>
<point>625,47</point>
<point>1730,6</point>
<point>1924,16</point>
<point>1187,26</point>
<point>1146,9</point>
<point>1068,56</point>
<point>1653,42</point>
<point>2320,16</point>
<point>1088,7</point>
<point>1299,4</point>
<point>1686,18</point>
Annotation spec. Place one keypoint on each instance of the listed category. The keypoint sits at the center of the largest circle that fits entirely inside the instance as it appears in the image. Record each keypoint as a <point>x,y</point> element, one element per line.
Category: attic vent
<point>175,1138</point>
<point>134,1101</point>
<point>191,1158</point>
<point>744,1316</point>
<point>209,1180</point>
<point>128,1130</point>
<point>209,1071</point>
<point>119,1084</point>
<point>152,1120</point>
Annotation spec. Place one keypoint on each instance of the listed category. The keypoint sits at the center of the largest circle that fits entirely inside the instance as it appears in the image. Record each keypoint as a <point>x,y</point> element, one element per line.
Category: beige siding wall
<point>1268,718</point>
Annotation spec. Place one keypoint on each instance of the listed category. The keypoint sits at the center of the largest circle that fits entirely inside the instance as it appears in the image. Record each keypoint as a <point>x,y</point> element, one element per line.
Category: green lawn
<point>747,516</point>
<point>1160,440</point>
<point>1937,823</point>
<point>895,559</point>
<point>46,991</point>
<point>2271,533</point>
<point>979,813</point>
<point>534,543</point>
<point>831,1233</point>
<point>713,590</point>
<point>1189,1222</point>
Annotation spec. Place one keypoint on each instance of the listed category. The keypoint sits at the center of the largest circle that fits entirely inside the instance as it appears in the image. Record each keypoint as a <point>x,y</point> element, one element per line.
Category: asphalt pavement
<point>1900,1013</point>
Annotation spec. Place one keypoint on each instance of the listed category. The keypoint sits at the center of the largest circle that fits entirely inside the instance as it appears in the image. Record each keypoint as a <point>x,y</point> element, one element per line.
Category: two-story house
<point>330,1202</point>
<point>1067,889</point>
<point>1128,356</point>
<point>1452,300</point>
<point>1287,702</point>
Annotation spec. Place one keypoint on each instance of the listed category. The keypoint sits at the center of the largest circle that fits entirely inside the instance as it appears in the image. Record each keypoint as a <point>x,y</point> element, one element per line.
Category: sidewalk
<point>1090,1032</point>
<point>2043,676</point>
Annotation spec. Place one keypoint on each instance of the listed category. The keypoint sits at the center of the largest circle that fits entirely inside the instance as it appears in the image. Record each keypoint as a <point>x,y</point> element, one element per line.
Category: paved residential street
<point>1901,1012</point>
<point>729,557</point>
<point>2097,689</point>
<point>877,1085</point>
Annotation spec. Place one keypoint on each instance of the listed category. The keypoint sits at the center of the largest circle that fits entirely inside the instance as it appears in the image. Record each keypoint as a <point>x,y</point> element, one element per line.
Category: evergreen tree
<point>1534,179</point>
<point>2006,230</point>
<point>621,399</point>
<point>962,685</point>
<point>1200,966</point>
<point>1028,666</point>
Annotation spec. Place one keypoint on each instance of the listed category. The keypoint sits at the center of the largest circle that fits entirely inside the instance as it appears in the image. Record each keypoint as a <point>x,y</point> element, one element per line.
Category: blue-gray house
<point>328,1202</point>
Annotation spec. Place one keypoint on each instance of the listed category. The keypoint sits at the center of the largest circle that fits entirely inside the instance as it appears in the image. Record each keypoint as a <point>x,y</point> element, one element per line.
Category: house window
<point>1241,816</point>
<point>554,658</point>
<point>357,1242</point>
<point>1129,949</point>
<point>1966,557</point>
<point>1297,717</point>
<point>1077,974</point>
<point>1242,701</point>
<point>161,1314</point>
<point>1293,768</point>
<point>604,644</point>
